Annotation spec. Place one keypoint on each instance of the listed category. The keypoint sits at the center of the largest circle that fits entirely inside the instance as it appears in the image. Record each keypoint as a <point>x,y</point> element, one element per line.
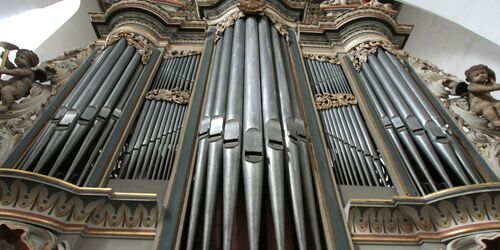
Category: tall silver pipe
<point>253,168</point>
<point>215,138</point>
<point>202,154</point>
<point>232,134</point>
<point>273,140</point>
<point>285,83</point>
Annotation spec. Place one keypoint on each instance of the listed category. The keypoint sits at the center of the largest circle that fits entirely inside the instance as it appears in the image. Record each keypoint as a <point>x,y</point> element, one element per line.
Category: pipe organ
<point>247,124</point>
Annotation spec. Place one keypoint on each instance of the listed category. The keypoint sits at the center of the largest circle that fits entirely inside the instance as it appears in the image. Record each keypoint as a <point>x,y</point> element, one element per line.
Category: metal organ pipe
<point>150,149</point>
<point>356,159</point>
<point>89,112</point>
<point>252,121</point>
<point>415,126</point>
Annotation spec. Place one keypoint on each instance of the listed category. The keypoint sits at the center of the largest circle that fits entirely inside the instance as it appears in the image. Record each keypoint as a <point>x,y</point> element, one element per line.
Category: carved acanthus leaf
<point>329,101</point>
<point>143,46</point>
<point>359,54</point>
<point>169,95</point>
<point>417,219</point>
<point>322,58</point>
<point>181,53</point>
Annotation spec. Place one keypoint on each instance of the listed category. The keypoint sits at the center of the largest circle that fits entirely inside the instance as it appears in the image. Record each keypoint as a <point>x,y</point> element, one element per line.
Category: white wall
<point>75,33</point>
<point>447,44</point>
<point>479,16</point>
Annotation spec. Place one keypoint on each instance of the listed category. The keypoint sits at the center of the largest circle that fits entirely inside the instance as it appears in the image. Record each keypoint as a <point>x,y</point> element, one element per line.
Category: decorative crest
<point>143,46</point>
<point>329,101</point>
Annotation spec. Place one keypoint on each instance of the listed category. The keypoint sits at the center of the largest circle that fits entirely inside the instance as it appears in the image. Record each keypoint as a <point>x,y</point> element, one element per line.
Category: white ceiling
<point>478,16</point>
<point>12,7</point>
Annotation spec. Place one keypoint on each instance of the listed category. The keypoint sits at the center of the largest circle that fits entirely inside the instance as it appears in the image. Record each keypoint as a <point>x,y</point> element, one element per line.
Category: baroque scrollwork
<point>322,58</point>
<point>445,86</point>
<point>359,54</point>
<point>181,53</point>
<point>329,101</point>
<point>22,114</point>
<point>431,217</point>
<point>169,95</point>
<point>143,46</point>
<point>87,213</point>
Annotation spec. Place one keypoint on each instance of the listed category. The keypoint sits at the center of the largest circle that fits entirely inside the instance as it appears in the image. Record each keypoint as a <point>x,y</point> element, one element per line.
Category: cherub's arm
<point>17,71</point>
<point>479,88</point>
<point>8,63</point>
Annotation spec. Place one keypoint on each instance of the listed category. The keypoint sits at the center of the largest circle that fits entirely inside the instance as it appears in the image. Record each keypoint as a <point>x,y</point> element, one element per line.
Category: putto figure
<point>22,78</point>
<point>482,82</point>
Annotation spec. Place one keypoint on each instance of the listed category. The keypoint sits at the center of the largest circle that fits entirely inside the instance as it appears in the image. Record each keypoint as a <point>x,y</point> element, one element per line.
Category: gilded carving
<point>445,86</point>
<point>22,114</point>
<point>143,46</point>
<point>227,22</point>
<point>322,58</point>
<point>429,217</point>
<point>181,53</point>
<point>251,6</point>
<point>341,3</point>
<point>329,101</point>
<point>169,95</point>
<point>359,54</point>
<point>37,202</point>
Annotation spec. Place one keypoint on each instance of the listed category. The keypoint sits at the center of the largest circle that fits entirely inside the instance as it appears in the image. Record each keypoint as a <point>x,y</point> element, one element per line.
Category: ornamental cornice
<point>336,22</point>
<point>322,58</point>
<point>435,217</point>
<point>42,200</point>
<point>182,18</point>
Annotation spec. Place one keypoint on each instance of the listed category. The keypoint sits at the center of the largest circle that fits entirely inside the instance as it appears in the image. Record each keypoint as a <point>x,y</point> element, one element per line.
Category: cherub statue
<point>22,78</point>
<point>482,82</point>
<point>376,3</point>
<point>343,2</point>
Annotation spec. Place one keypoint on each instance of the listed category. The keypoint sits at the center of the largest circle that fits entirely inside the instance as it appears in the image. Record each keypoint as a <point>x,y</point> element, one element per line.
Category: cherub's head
<point>480,74</point>
<point>26,58</point>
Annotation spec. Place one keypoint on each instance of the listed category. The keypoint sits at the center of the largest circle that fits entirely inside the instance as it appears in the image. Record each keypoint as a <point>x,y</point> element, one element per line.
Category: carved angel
<point>22,78</point>
<point>482,82</point>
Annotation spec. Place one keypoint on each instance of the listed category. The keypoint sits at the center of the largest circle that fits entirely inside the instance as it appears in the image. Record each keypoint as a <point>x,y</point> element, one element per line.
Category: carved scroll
<point>169,95</point>
<point>143,46</point>
<point>329,101</point>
